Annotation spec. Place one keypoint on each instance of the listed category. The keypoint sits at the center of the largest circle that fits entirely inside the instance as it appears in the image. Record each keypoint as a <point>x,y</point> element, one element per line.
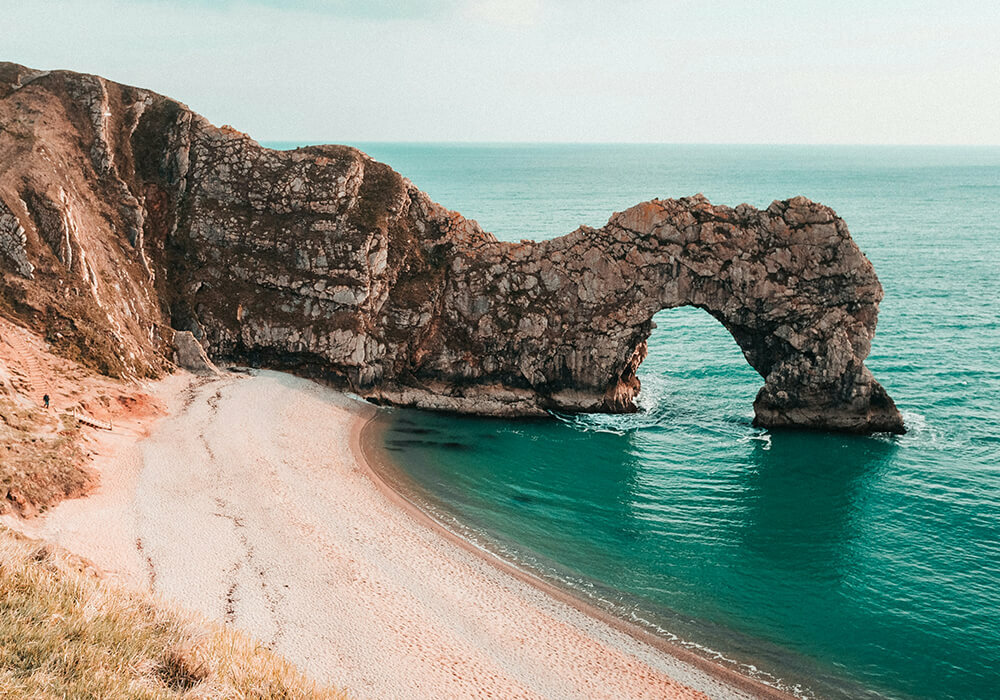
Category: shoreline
<point>252,502</point>
<point>364,429</point>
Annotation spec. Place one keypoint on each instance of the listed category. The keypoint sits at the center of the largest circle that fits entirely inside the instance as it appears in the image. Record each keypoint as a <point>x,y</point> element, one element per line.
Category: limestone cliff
<point>124,216</point>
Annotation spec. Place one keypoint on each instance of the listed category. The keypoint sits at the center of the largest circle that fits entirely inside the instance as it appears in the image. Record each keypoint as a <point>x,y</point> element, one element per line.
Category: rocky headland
<point>125,217</point>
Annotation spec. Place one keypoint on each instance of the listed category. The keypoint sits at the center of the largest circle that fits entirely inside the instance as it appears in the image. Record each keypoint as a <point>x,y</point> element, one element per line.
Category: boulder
<point>189,354</point>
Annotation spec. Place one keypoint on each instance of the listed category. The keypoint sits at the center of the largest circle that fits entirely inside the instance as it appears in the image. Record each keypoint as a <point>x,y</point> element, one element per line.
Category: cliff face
<point>124,215</point>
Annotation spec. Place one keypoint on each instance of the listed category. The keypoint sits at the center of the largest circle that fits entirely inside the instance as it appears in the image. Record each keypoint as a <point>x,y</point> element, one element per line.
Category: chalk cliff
<point>124,216</point>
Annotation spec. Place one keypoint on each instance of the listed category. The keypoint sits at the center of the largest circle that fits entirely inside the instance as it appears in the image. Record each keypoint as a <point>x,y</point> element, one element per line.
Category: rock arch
<point>325,262</point>
<point>569,318</point>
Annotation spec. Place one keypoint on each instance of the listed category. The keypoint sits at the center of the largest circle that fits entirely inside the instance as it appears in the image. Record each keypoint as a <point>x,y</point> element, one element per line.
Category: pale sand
<point>249,504</point>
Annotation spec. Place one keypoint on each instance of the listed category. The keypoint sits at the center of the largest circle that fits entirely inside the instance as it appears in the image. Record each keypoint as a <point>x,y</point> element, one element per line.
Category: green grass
<point>65,633</point>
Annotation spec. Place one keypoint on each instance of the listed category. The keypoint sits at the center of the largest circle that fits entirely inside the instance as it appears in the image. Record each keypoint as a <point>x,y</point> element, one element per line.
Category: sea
<point>831,566</point>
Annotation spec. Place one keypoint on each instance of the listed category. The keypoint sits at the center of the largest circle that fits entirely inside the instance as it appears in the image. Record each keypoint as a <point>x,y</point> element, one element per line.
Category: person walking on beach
<point>46,400</point>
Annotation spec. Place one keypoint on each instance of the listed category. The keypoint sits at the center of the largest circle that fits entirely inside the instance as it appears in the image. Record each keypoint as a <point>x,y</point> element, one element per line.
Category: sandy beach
<point>250,502</point>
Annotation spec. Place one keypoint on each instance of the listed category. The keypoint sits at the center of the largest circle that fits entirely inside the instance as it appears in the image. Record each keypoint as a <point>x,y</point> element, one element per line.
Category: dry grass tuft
<point>64,633</point>
<point>181,670</point>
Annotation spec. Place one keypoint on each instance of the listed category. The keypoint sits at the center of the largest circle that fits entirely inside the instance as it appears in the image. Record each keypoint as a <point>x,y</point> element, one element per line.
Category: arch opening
<point>695,368</point>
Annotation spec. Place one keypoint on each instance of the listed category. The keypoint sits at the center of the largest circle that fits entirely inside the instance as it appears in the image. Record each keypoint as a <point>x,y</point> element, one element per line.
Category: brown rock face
<point>139,216</point>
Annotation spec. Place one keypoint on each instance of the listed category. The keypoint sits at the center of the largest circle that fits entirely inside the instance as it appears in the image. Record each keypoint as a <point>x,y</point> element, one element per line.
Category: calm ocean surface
<point>833,565</point>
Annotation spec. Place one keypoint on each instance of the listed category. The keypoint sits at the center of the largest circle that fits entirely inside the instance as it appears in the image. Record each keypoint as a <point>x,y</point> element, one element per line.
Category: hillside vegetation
<point>40,459</point>
<point>65,633</point>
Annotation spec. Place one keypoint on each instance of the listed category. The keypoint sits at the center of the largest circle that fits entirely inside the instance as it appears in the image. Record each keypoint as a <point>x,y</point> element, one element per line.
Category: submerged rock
<point>326,262</point>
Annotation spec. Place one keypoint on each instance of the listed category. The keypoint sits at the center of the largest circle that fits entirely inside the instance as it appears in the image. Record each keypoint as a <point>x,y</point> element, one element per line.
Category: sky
<point>669,71</point>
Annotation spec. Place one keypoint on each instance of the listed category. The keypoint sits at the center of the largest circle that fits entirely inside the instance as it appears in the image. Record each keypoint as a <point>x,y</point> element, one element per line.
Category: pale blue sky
<point>543,70</point>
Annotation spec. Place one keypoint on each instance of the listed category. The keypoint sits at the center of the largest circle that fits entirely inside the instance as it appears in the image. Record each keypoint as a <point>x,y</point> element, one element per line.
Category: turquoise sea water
<point>837,566</point>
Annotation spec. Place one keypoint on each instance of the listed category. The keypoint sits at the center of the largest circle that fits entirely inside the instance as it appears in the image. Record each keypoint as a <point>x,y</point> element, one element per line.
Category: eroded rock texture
<point>326,262</point>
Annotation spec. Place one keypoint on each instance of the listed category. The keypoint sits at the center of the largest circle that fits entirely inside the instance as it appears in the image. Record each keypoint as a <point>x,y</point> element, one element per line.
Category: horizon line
<point>459,142</point>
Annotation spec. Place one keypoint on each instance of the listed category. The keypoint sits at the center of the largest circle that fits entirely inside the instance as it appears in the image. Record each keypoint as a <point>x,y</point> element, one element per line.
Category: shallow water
<point>839,566</point>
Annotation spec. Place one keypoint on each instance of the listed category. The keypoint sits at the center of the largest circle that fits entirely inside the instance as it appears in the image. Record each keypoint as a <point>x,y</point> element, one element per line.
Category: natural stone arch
<point>371,284</point>
<point>569,318</point>
<point>326,262</point>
